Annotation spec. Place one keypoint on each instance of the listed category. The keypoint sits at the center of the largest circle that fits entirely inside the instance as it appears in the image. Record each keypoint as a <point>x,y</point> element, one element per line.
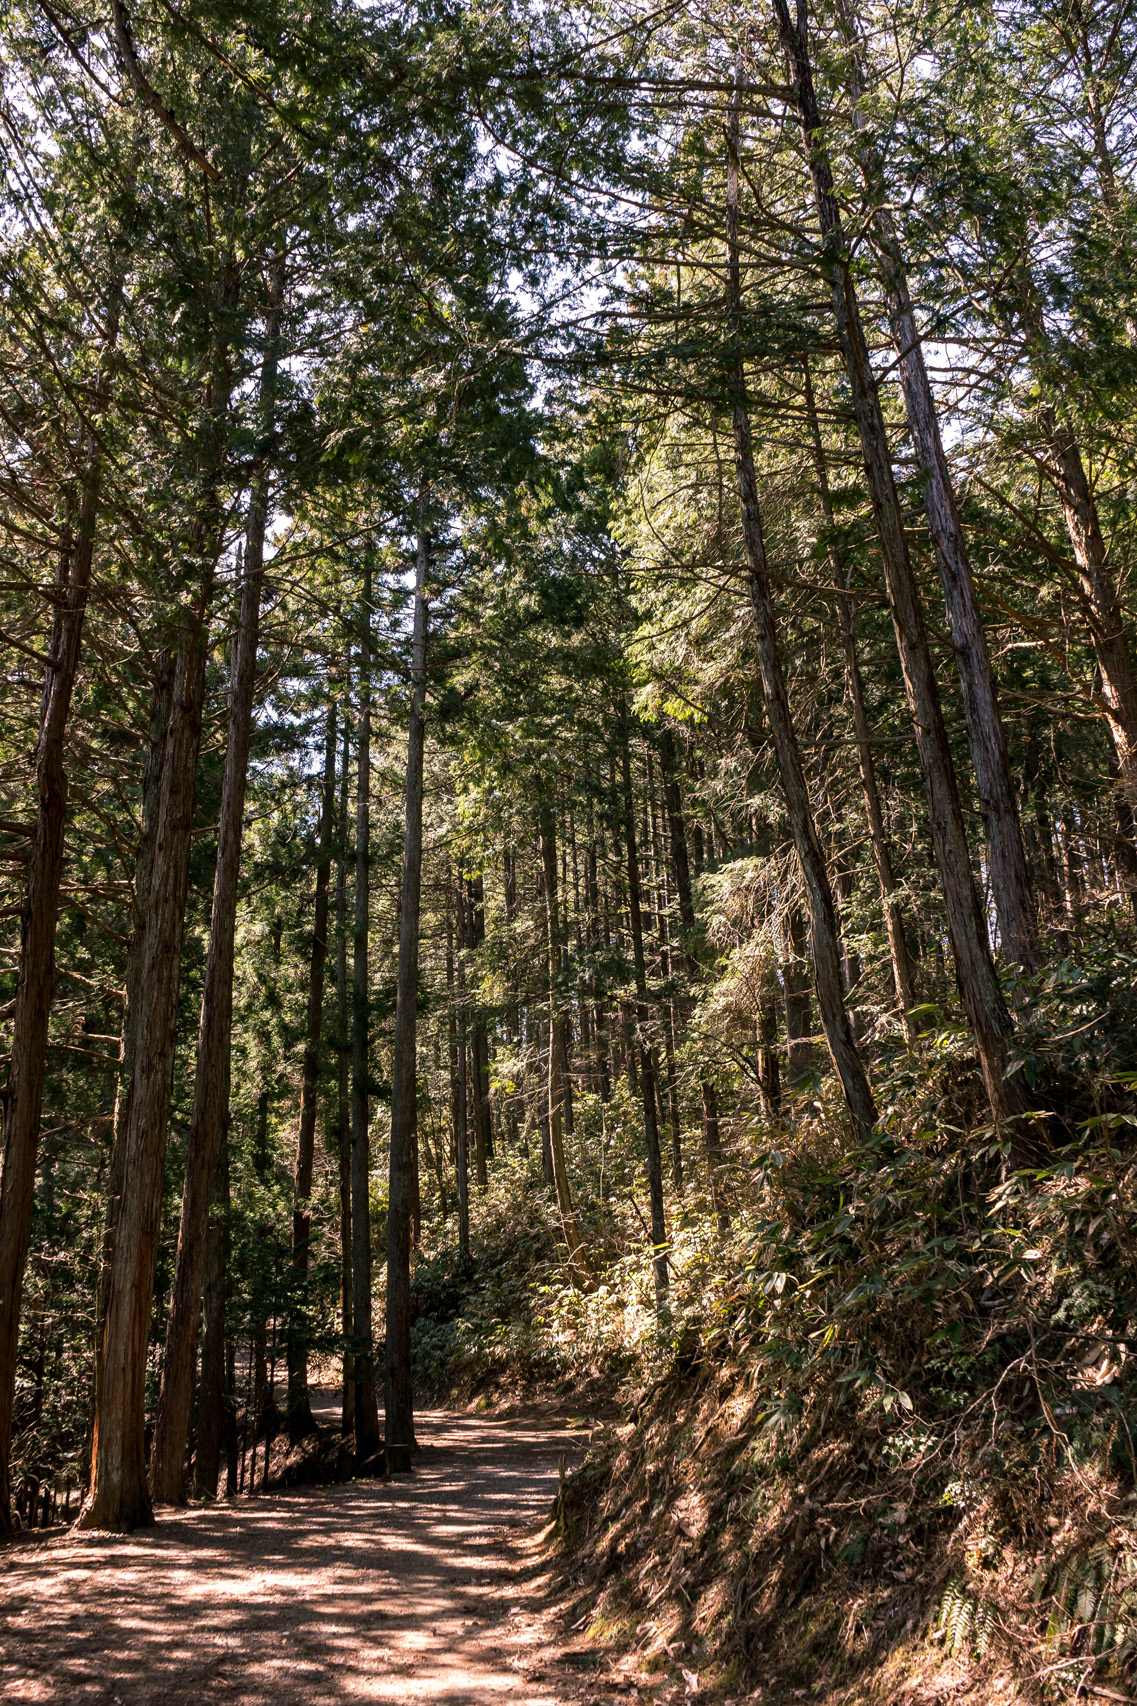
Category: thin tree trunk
<point>400,1429</point>
<point>799,1019</point>
<point>367,1439</point>
<point>24,1095</point>
<point>824,929</point>
<point>712,1154</point>
<point>680,865</point>
<point>983,1002</point>
<point>211,1082</point>
<point>578,1264</point>
<point>343,1097</point>
<point>214,1404</point>
<point>299,1415</point>
<point>647,1065</point>
<point>461,1130</point>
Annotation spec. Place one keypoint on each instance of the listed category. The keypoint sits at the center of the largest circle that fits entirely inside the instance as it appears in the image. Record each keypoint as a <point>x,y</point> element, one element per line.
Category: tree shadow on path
<point>397,1591</point>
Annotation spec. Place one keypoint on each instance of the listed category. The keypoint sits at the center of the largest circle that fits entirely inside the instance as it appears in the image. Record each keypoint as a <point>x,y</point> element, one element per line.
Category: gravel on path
<point>425,1588</point>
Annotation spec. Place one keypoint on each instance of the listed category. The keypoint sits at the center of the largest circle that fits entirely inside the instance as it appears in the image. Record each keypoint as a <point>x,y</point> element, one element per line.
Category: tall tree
<point>404,1083</point>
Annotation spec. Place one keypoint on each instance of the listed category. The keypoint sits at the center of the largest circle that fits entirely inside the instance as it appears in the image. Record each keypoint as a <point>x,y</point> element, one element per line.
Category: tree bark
<point>150,803</point>
<point>215,1419</point>
<point>24,1095</point>
<point>343,1098</point>
<point>367,1440</point>
<point>400,1432</point>
<point>479,1048</point>
<point>870,791</point>
<point>461,1130</point>
<point>119,1497</point>
<point>998,804</point>
<point>578,1263</point>
<point>824,930</point>
<point>987,1013</point>
<point>211,1081</point>
<point>300,1420</point>
<point>647,1064</point>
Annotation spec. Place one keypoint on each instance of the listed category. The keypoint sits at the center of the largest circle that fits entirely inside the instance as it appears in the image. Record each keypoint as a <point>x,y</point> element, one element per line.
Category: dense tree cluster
<point>566,614</point>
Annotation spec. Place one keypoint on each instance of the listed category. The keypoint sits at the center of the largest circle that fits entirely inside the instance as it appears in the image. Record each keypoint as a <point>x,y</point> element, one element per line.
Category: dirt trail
<point>426,1588</point>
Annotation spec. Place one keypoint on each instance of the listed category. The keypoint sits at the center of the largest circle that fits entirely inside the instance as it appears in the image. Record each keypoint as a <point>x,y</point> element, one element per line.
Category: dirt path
<point>427,1588</point>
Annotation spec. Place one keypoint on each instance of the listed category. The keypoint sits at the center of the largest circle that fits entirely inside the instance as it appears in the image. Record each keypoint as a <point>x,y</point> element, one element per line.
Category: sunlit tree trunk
<point>870,791</point>
<point>824,930</point>
<point>986,1010</point>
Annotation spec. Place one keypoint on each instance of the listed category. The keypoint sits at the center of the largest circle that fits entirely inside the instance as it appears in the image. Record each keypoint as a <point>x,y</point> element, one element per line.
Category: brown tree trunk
<point>461,1129</point>
<point>151,795</point>
<point>680,865</point>
<point>400,1427</point>
<point>343,1098</point>
<point>215,1418</point>
<point>998,804</point>
<point>119,1497</point>
<point>578,1264</point>
<point>647,1064</point>
<point>825,933</point>
<point>211,1081</point>
<point>367,1438</point>
<point>300,1420</point>
<point>479,1051</point>
<point>799,1019</point>
<point>24,1095</point>
<point>882,854</point>
<point>983,1002</point>
<point>712,1154</point>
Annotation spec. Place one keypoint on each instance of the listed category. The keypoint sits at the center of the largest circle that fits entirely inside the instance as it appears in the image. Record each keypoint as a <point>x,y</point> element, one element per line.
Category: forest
<point>568,804</point>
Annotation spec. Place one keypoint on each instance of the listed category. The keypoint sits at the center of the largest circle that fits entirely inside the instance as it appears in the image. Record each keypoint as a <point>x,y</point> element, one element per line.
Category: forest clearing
<point>568,851</point>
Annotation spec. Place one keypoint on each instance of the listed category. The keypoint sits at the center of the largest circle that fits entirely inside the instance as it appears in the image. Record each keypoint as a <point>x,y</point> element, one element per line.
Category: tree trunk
<point>983,1002</point>
<point>119,1497</point>
<point>578,1264</point>
<point>150,801</point>
<point>400,1430</point>
<point>211,1081</point>
<point>461,1130</point>
<point>299,1416</point>
<point>882,855</point>
<point>215,1417</point>
<point>343,1098</point>
<point>998,805</point>
<point>367,1439</point>
<point>647,1064</point>
<point>799,1019</point>
<point>824,930</point>
<point>712,1154</point>
<point>680,865</point>
<point>24,1095</point>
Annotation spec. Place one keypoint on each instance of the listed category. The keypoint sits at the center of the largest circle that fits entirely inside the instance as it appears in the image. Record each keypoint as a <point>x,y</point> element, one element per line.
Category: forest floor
<point>432,1587</point>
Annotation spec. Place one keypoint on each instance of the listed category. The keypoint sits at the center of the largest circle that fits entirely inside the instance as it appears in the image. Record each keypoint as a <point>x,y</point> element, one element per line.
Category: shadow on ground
<point>403,1590</point>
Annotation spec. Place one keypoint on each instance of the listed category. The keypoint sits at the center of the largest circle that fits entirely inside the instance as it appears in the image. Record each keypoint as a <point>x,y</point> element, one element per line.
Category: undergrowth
<point>879,1442</point>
